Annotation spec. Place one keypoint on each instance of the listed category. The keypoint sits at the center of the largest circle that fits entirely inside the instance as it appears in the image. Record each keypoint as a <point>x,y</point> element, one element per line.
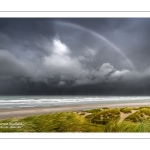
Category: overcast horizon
<point>74,56</point>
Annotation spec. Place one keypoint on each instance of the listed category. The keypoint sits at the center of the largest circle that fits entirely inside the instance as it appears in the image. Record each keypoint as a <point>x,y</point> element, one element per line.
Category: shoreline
<point>8,113</point>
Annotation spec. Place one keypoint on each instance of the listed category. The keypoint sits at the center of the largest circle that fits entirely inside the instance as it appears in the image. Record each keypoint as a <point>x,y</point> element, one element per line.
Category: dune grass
<point>105,116</point>
<point>53,122</point>
<point>93,110</point>
<point>126,110</point>
<point>95,120</point>
<point>140,115</point>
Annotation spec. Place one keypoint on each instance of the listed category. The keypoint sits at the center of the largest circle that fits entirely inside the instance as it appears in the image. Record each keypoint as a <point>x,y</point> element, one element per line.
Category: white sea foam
<point>38,101</point>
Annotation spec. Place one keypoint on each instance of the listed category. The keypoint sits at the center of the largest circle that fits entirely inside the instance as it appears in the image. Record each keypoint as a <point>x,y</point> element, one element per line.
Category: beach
<point>23,112</point>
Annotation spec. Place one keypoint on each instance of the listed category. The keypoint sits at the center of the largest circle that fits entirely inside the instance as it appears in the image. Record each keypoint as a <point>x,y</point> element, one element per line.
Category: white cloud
<point>59,48</point>
<point>119,75</point>
<point>59,62</point>
<point>105,73</point>
<point>105,69</point>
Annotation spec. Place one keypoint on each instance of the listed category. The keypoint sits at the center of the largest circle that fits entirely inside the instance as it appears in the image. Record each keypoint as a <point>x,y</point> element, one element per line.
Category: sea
<point>51,101</point>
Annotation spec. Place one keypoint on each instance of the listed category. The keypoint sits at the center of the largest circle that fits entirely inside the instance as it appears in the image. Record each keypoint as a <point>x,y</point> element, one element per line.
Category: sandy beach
<point>22,112</point>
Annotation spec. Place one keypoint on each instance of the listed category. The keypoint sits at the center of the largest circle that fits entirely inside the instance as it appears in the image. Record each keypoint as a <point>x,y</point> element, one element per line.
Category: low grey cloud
<point>10,65</point>
<point>61,83</point>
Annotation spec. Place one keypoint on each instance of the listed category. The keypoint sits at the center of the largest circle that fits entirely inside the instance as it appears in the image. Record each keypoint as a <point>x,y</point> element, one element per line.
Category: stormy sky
<point>74,56</point>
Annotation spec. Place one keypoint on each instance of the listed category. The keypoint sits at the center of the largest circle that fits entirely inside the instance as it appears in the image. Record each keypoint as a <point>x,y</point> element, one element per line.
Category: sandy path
<point>124,115</point>
<point>21,112</point>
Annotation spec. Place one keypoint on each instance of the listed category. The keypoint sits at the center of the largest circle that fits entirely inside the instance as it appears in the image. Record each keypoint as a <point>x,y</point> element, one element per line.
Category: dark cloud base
<point>33,88</point>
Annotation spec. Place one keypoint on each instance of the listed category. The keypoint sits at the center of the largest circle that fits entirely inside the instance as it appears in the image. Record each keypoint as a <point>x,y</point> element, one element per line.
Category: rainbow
<point>100,37</point>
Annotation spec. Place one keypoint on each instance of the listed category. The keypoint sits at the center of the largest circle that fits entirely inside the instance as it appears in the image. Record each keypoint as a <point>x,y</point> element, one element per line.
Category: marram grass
<point>95,120</point>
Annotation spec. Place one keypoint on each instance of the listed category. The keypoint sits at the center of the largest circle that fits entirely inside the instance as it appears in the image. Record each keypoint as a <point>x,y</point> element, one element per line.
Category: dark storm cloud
<point>41,56</point>
<point>129,34</point>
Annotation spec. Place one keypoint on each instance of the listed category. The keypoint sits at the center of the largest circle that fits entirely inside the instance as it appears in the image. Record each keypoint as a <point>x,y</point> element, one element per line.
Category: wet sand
<point>22,112</point>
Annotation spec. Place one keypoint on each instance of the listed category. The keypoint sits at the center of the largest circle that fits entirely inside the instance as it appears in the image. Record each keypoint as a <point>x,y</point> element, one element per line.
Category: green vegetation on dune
<point>95,120</point>
<point>105,116</point>
<point>93,110</point>
<point>140,115</point>
<point>54,122</point>
<point>126,110</point>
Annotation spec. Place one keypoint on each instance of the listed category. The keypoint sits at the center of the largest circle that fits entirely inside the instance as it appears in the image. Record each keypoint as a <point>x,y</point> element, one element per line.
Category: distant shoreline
<point>23,112</point>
